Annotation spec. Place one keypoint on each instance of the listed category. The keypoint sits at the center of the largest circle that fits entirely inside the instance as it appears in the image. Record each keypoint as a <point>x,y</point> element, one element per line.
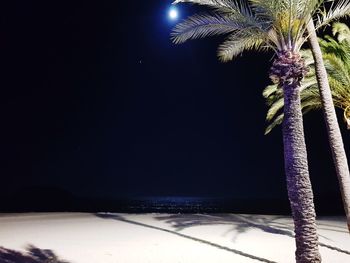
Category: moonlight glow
<point>173,13</point>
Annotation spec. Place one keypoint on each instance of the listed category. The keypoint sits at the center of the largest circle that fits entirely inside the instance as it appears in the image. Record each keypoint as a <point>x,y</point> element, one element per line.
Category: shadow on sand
<point>243,223</point>
<point>235,251</point>
<point>239,223</point>
<point>32,255</point>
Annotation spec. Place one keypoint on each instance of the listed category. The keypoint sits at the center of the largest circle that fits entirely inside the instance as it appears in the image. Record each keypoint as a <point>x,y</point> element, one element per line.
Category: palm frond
<point>269,8</point>
<point>203,25</point>
<point>336,68</point>
<point>237,7</point>
<point>289,17</point>
<point>228,17</point>
<point>235,44</point>
<point>274,95</point>
<point>310,100</point>
<point>307,56</point>
<point>308,7</point>
<point>307,105</point>
<point>339,10</point>
<point>340,93</point>
<point>270,90</point>
<point>341,31</point>
<point>331,46</point>
<point>337,62</point>
<point>277,121</point>
<point>210,3</point>
<point>275,107</point>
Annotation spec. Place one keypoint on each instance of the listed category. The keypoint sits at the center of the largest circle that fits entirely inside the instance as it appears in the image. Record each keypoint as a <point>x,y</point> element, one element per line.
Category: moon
<point>173,13</point>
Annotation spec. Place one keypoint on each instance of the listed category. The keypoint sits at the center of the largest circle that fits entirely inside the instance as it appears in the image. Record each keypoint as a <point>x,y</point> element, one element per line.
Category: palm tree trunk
<point>334,135</point>
<point>298,181</point>
<point>288,69</point>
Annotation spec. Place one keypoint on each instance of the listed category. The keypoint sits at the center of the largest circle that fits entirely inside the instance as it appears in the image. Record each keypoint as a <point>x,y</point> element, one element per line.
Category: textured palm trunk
<point>334,134</point>
<point>288,69</point>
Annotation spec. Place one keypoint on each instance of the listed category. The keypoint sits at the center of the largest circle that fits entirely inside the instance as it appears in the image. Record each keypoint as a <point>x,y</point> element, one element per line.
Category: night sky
<point>97,101</point>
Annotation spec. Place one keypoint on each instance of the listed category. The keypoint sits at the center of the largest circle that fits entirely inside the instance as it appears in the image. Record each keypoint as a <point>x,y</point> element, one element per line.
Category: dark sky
<point>96,100</point>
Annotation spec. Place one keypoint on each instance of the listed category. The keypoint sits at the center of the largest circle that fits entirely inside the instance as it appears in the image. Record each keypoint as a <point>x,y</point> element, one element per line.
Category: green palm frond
<point>210,3</point>
<point>310,100</point>
<point>292,8</point>
<point>307,56</point>
<point>274,96</point>
<point>228,17</point>
<point>269,91</point>
<point>338,10</point>
<point>336,68</point>
<point>280,23</point>
<point>289,18</point>
<point>308,103</point>
<point>203,25</point>
<point>330,46</point>
<point>308,7</point>
<point>275,108</point>
<point>248,24</point>
<point>269,8</point>
<point>342,32</point>
<point>340,93</point>
<point>236,19</point>
<point>237,8</point>
<point>336,58</point>
<point>277,121</point>
<point>235,44</point>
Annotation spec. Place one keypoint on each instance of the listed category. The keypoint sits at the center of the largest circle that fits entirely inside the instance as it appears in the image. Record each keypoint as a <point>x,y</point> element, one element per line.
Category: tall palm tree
<point>336,58</point>
<point>279,25</point>
<point>337,10</point>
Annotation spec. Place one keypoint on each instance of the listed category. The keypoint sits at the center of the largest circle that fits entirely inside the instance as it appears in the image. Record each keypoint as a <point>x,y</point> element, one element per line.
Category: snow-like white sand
<point>156,238</point>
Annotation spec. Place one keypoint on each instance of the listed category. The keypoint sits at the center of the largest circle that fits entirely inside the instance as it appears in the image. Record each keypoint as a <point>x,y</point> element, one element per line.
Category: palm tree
<point>338,10</point>
<point>336,58</point>
<point>279,25</point>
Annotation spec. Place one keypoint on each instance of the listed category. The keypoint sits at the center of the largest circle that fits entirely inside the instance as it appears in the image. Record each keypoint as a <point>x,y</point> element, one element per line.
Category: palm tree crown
<point>336,55</point>
<point>254,24</point>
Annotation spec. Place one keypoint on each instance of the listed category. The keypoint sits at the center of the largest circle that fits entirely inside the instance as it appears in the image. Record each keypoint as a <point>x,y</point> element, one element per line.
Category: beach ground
<point>156,238</point>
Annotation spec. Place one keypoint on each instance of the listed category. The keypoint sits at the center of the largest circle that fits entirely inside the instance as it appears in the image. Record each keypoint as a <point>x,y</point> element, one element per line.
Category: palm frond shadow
<point>32,255</point>
<point>334,228</point>
<point>235,251</point>
<point>241,224</point>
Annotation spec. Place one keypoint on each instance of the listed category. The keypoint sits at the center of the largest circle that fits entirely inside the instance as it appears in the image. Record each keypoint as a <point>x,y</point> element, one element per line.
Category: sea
<point>175,204</point>
<point>58,201</point>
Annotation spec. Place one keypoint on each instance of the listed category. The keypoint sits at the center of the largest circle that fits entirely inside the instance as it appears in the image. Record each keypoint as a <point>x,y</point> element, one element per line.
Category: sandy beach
<point>158,238</point>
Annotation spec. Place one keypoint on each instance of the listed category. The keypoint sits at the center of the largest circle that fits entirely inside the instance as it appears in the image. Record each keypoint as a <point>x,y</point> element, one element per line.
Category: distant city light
<point>173,13</point>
